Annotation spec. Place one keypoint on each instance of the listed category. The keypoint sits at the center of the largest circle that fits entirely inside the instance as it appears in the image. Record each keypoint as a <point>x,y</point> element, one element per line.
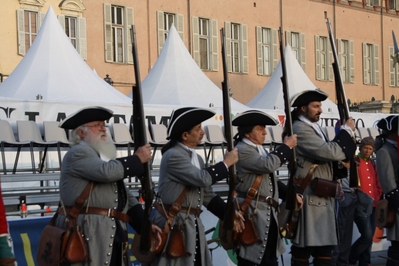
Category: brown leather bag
<point>176,247</point>
<point>249,235</point>
<point>50,244</point>
<point>384,214</point>
<point>76,249</point>
<point>324,188</point>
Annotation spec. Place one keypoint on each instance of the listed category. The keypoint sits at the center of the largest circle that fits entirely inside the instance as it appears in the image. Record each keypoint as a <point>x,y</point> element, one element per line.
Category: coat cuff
<point>283,152</point>
<point>217,206</point>
<point>217,172</point>
<point>346,142</point>
<point>132,166</point>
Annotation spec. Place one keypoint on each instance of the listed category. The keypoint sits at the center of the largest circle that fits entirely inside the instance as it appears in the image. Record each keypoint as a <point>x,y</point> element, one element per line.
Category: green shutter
<point>128,38</point>
<point>108,33</point>
<point>196,50</point>
<point>317,52</point>
<point>21,32</point>
<point>259,55</point>
<point>82,41</point>
<point>214,45</point>
<point>161,32</point>
<point>244,48</point>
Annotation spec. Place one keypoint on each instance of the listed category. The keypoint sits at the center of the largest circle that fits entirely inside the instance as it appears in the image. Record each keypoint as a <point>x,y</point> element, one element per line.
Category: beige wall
<point>353,22</point>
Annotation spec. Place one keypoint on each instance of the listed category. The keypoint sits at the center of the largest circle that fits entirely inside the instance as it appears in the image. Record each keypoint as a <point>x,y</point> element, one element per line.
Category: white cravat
<point>260,148</point>
<point>194,158</point>
<point>315,126</point>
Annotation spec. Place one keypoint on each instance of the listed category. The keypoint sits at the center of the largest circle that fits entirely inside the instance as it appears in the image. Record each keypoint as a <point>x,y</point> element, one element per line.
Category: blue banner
<point>25,234</point>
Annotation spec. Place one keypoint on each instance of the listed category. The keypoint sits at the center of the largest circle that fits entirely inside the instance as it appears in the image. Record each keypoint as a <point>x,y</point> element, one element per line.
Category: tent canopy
<point>54,70</point>
<point>271,96</point>
<point>176,79</point>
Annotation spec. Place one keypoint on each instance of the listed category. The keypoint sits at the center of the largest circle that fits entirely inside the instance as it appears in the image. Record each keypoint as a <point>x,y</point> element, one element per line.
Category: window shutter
<point>40,18</point>
<point>61,19</point>
<point>365,76</point>
<point>330,58</point>
<point>108,33</point>
<point>397,5</point>
<point>196,51</point>
<point>288,37</point>
<point>128,38</point>
<point>180,25</point>
<point>303,51</point>
<point>259,55</point>
<point>227,32</point>
<point>244,48</point>
<point>391,67</point>
<point>376,67</point>
<point>21,32</point>
<point>82,41</point>
<point>340,54</point>
<point>317,51</point>
<point>275,48</point>
<point>214,45</point>
<point>160,23</point>
<point>351,62</point>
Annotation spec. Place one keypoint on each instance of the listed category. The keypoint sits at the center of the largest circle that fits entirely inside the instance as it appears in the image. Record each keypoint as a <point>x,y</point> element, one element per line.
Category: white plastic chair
<point>121,136</point>
<point>276,134</point>
<point>215,138</point>
<point>53,133</point>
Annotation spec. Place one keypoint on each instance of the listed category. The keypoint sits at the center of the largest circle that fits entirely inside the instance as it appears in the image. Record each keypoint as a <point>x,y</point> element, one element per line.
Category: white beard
<point>106,148</point>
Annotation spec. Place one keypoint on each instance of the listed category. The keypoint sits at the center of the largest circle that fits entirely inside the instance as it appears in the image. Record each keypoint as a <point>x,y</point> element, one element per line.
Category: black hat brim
<point>253,117</point>
<point>86,115</point>
<point>390,123</point>
<point>305,97</point>
<point>187,120</point>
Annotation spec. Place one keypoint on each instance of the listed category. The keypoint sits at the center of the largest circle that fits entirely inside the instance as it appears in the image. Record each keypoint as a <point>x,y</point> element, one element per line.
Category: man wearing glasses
<point>92,157</point>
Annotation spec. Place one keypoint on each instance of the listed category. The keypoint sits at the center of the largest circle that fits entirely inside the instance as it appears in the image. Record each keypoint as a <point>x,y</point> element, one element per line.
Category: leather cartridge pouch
<point>249,235</point>
<point>384,214</point>
<point>324,188</point>
<point>76,249</point>
<point>176,247</point>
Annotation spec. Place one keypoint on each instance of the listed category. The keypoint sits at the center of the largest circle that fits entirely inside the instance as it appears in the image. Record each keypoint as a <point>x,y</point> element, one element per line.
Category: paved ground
<point>376,260</point>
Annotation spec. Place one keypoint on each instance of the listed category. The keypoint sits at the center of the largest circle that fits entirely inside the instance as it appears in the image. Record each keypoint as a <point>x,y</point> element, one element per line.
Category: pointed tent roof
<point>176,79</point>
<point>271,96</point>
<point>54,69</point>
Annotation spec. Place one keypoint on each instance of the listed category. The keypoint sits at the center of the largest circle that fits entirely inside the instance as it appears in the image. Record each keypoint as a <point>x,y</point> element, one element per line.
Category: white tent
<point>176,79</point>
<point>54,70</point>
<point>271,96</point>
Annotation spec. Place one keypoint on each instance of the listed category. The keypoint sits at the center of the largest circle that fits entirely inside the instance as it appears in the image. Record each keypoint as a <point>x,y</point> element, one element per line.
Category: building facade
<point>100,32</point>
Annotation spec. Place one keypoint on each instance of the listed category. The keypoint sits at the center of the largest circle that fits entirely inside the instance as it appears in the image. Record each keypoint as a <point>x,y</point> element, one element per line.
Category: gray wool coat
<point>177,171</point>
<point>81,164</point>
<point>317,224</point>
<point>251,164</point>
<point>388,175</point>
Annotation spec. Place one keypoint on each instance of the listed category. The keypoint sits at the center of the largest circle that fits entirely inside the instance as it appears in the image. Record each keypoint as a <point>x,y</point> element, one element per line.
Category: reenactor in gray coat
<point>255,161</point>
<point>92,158</point>
<point>386,147</point>
<point>317,233</point>
<point>181,167</point>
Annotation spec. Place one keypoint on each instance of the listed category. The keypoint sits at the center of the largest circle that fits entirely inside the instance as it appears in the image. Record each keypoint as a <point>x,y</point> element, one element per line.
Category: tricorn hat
<point>183,119</point>
<point>305,97</point>
<point>389,123</point>
<point>86,115</point>
<point>253,117</point>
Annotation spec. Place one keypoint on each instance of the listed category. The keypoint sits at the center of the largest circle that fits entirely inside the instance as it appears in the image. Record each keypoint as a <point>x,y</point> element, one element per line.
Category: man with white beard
<point>110,205</point>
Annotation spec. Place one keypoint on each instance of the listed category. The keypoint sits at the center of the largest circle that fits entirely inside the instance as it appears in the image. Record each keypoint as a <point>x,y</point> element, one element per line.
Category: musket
<point>140,139</point>
<point>342,104</point>
<point>228,221</point>
<point>288,227</point>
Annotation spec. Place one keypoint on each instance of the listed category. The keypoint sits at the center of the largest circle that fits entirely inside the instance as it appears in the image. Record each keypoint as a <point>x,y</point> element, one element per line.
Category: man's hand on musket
<point>156,236</point>
<point>144,153</point>
<point>238,222</point>
<point>299,201</point>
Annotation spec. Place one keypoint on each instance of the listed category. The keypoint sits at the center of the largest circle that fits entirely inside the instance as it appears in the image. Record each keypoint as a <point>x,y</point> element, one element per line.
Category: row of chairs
<point>360,132</point>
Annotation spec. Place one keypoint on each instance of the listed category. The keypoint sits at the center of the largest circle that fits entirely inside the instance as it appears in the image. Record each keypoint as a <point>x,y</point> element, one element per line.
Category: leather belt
<point>159,208</point>
<point>269,200</point>
<point>112,213</point>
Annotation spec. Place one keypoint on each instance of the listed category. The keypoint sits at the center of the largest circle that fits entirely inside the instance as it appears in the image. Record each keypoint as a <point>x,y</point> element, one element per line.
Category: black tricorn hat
<point>389,123</point>
<point>183,119</point>
<point>305,97</point>
<point>253,117</point>
<point>86,115</point>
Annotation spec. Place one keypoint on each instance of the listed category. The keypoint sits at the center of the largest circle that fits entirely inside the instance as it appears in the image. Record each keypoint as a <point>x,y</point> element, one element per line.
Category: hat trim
<point>177,118</point>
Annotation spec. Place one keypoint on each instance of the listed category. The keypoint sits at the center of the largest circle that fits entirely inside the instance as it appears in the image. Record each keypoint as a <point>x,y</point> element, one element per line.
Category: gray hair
<point>75,138</point>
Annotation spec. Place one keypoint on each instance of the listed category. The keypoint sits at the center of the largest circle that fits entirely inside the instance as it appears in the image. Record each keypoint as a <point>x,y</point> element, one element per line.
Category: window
<point>370,64</point>
<point>205,43</point>
<point>372,2</point>
<point>118,21</point>
<point>29,23</point>
<point>267,50</point>
<point>393,4</point>
<point>75,29</point>
<point>165,21</point>
<point>323,58</point>
<point>393,68</point>
<point>237,47</point>
<point>346,60</point>
<point>297,42</point>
